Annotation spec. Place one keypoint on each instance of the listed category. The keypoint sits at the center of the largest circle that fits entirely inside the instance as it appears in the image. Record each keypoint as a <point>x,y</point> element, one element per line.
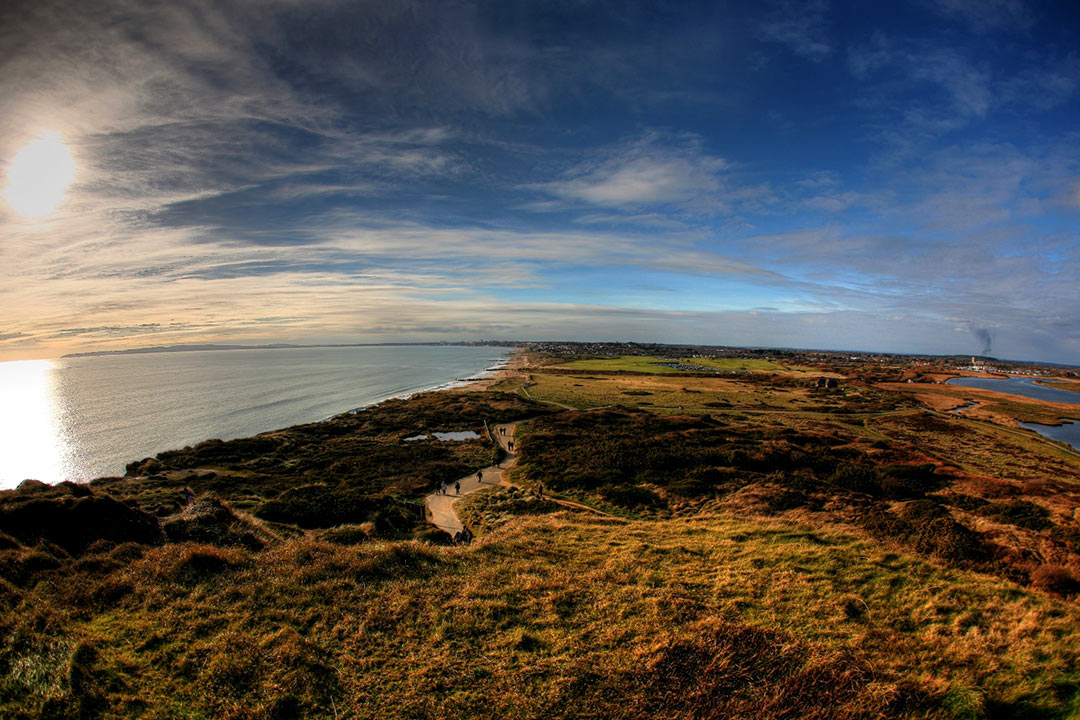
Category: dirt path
<point>441,506</point>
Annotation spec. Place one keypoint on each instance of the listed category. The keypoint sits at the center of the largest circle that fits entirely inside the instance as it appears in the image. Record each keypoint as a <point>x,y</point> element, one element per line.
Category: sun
<point>38,176</point>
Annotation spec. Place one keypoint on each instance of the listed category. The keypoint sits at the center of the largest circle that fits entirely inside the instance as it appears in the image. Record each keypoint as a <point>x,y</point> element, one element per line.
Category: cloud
<point>654,170</point>
<point>959,81</point>
<point>801,26</point>
<point>984,16</point>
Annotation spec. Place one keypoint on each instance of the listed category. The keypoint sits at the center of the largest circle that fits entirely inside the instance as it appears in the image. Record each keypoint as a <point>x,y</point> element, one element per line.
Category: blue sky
<point>901,177</point>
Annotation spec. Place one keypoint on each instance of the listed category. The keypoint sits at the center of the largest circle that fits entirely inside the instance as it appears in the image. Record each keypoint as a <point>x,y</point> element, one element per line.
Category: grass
<point>778,552</point>
<point>747,365</point>
<point>659,392</point>
<point>623,363</point>
<point>1070,385</point>
<point>551,616</point>
<point>701,395</point>
<point>659,366</point>
<point>979,448</point>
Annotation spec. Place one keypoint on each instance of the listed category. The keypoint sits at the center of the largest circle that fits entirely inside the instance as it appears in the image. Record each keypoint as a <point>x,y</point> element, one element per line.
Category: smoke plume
<point>983,335</point>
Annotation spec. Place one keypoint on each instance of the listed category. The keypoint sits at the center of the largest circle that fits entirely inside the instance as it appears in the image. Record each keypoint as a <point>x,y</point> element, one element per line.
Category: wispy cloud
<point>801,26</point>
<point>320,170</point>
<point>988,15</point>
<point>655,170</point>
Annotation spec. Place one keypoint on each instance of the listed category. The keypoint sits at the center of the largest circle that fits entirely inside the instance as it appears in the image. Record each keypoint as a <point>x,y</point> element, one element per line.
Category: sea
<point>79,418</point>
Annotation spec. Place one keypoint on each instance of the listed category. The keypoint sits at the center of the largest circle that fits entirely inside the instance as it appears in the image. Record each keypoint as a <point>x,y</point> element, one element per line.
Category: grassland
<point>654,365</point>
<point>771,550</point>
<point>625,363</point>
<point>665,392</point>
<point>550,616</point>
<point>1070,385</point>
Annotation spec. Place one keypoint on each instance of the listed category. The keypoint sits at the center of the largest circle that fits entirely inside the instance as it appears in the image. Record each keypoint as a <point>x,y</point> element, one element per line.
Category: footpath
<point>441,506</point>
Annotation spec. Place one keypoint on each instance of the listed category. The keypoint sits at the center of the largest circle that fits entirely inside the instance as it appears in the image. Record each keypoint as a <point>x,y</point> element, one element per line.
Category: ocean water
<point>81,418</point>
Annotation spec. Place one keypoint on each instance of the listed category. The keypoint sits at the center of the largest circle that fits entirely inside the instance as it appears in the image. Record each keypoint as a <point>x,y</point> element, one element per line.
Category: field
<point>758,547</point>
<point>1070,385</point>
<point>638,363</point>
<point>664,392</point>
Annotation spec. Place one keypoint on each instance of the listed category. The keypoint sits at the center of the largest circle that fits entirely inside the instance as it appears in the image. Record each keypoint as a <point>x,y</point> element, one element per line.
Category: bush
<point>1021,513</point>
<point>76,523</point>
<point>1056,579</point>
<point>348,534</point>
<point>901,482</point>
<point>319,506</point>
<point>631,496</point>
<point>857,478</point>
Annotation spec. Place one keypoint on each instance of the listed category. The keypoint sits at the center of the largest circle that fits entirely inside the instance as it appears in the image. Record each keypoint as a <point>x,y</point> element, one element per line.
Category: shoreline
<point>496,368</point>
<point>515,360</point>
<point>515,363</point>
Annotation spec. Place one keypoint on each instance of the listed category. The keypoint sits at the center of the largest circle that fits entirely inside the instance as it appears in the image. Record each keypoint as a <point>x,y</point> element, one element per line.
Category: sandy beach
<point>514,367</point>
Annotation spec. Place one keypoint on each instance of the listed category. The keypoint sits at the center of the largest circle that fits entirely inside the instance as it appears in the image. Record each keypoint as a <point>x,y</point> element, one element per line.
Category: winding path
<point>442,506</point>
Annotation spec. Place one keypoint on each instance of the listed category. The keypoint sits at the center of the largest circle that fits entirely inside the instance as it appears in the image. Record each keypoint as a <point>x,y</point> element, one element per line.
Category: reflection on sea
<point>30,446</point>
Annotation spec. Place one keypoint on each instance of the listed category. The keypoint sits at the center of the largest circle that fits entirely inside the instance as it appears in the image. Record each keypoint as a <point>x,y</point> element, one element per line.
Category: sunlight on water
<point>29,445</point>
<point>87,417</point>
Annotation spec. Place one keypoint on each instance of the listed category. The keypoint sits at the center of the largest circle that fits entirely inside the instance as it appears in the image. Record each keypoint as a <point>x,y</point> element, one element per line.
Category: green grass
<point>747,364</point>
<point>630,363</point>
<point>697,395</point>
<point>637,363</point>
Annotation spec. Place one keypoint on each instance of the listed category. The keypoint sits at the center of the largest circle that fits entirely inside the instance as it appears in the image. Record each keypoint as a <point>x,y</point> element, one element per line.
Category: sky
<point>899,177</point>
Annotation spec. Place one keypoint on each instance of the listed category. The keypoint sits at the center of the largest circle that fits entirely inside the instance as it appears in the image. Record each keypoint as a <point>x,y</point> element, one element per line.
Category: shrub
<point>1021,513</point>
<point>319,506</point>
<point>75,523</point>
<point>348,534</point>
<point>857,478</point>
<point>1056,579</point>
<point>909,481</point>
<point>631,496</point>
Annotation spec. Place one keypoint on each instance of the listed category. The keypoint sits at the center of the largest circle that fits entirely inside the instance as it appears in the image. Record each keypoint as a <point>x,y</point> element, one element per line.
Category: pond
<point>1067,433</point>
<point>1027,387</point>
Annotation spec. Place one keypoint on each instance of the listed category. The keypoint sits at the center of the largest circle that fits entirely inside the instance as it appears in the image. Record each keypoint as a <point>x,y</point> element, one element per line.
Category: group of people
<point>510,443</point>
<point>443,487</point>
<point>463,537</point>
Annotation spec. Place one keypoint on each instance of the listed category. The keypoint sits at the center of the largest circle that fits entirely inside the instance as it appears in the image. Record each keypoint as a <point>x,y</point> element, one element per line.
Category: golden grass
<point>513,625</point>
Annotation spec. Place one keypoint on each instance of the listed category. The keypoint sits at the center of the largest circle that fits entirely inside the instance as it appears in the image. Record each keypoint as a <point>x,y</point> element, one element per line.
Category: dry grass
<point>550,616</point>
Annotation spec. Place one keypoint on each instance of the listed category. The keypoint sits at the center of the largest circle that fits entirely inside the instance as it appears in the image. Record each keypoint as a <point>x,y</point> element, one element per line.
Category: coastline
<point>515,363</point>
<point>483,380</point>
<point>108,454</point>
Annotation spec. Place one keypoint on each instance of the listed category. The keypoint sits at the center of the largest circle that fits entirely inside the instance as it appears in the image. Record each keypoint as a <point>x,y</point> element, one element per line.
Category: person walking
<point>457,487</point>
<point>540,491</point>
<point>480,476</point>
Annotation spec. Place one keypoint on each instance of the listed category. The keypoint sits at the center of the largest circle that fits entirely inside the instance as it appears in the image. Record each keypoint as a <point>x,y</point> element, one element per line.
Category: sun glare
<point>38,176</point>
